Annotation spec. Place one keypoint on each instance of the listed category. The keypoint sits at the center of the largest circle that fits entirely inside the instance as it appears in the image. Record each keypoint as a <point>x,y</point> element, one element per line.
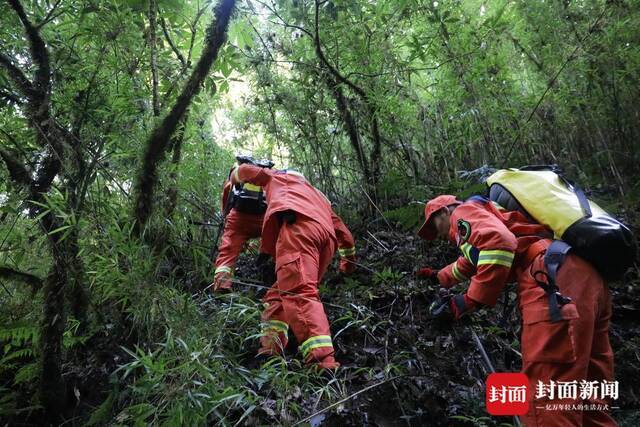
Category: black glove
<point>440,307</point>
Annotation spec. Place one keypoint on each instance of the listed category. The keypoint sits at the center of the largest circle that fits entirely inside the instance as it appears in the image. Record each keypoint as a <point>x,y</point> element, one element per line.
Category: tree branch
<point>272,9</point>
<point>50,15</point>
<point>324,60</point>
<point>350,125</point>
<point>194,31</point>
<point>374,160</point>
<point>17,171</point>
<point>38,49</point>
<point>551,83</point>
<point>17,76</point>
<point>48,134</point>
<point>11,97</point>
<point>30,279</point>
<point>167,37</point>
<point>156,146</point>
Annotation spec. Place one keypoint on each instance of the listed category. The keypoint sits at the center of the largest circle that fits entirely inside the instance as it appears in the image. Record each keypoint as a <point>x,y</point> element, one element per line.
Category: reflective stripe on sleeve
<point>456,272</point>
<point>498,257</point>
<point>466,250</point>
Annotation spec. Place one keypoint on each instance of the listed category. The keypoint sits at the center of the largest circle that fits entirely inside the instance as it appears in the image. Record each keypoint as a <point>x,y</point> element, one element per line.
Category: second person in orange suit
<point>565,335</point>
<point>302,232</point>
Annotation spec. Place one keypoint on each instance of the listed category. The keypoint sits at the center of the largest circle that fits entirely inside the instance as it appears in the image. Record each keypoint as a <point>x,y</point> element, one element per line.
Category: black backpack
<point>249,198</point>
<point>542,193</point>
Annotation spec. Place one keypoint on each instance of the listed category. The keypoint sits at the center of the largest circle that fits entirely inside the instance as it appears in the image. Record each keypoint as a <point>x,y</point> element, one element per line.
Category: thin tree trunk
<point>52,386</point>
<point>55,141</point>
<point>176,146</point>
<point>350,126</point>
<point>153,12</point>
<point>372,172</point>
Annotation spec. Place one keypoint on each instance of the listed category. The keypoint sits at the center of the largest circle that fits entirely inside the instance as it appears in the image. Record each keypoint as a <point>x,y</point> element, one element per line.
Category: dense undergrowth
<point>161,349</point>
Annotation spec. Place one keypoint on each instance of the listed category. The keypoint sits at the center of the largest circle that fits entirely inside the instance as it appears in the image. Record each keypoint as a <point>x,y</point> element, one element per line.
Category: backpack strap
<point>553,259</point>
<point>582,199</point>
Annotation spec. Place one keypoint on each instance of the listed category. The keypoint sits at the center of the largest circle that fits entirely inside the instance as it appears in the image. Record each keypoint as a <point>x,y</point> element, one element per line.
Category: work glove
<point>430,274</point>
<point>439,308</point>
<point>451,305</point>
<point>222,282</point>
<point>347,264</point>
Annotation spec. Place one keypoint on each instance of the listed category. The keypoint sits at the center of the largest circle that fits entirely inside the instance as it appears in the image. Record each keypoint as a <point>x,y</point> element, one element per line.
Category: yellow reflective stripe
<point>499,257</point>
<point>504,263</point>
<point>250,187</point>
<point>315,342</point>
<point>507,254</point>
<point>223,268</point>
<point>275,325</point>
<point>456,272</point>
<point>279,323</point>
<point>466,250</point>
<point>347,251</point>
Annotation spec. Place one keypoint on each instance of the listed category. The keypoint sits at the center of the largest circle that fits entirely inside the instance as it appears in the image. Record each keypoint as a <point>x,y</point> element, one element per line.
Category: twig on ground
<point>346,399</point>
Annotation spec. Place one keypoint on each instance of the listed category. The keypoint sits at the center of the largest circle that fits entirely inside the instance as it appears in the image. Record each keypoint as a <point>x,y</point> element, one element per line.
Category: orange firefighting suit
<point>501,246</point>
<point>239,227</point>
<point>301,231</point>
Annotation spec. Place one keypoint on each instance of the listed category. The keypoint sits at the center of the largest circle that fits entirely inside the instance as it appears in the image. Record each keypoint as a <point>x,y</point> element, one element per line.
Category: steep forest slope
<point>120,120</point>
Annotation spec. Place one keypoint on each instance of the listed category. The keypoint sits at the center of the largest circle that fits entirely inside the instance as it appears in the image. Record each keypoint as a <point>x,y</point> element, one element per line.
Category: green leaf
<point>102,413</point>
<point>57,230</point>
<point>141,411</point>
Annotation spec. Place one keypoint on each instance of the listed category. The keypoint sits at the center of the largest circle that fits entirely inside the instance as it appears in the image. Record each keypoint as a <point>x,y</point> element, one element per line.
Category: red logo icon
<point>507,394</point>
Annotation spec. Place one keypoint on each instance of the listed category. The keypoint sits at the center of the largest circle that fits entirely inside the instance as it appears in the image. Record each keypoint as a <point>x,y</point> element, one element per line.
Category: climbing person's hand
<point>222,282</point>
<point>439,308</point>
<point>347,264</point>
<point>252,246</point>
<point>428,273</point>
<point>454,306</point>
